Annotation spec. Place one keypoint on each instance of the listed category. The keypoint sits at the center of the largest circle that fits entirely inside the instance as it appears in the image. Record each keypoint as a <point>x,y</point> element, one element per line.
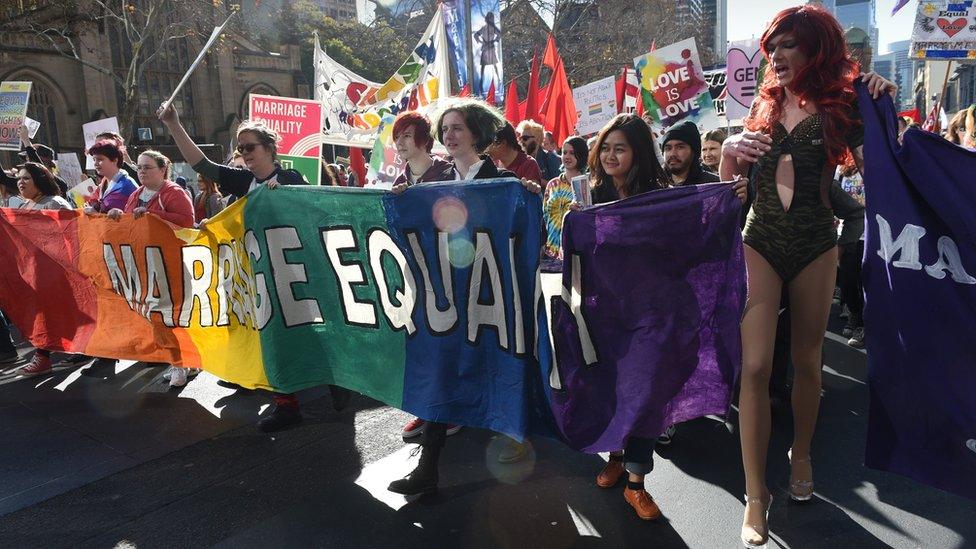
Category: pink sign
<point>743,68</point>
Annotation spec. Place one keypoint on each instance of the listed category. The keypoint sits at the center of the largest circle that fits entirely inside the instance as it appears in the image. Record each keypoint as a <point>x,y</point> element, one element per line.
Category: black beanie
<point>687,132</point>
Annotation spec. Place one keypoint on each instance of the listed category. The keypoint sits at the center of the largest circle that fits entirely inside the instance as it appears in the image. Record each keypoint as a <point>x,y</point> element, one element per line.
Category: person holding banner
<point>803,124</point>
<point>623,164</point>
<point>157,195</point>
<point>258,146</point>
<point>116,185</point>
<point>466,127</point>
<point>411,135</point>
<point>40,192</point>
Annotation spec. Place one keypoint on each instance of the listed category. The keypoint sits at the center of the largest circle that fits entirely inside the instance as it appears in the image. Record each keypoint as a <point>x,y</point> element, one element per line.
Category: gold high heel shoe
<point>800,490</point>
<point>748,541</point>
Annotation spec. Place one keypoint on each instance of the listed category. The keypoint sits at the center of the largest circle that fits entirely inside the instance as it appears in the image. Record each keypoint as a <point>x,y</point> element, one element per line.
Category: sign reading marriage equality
<point>299,124</point>
<point>672,84</point>
<point>636,354</point>
<point>920,287</point>
<point>287,287</point>
<point>944,30</point>
<point>13,109</point>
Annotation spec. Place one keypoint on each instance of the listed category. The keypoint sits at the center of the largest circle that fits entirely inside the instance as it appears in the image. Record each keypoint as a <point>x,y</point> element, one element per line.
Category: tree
<point>139,31</point>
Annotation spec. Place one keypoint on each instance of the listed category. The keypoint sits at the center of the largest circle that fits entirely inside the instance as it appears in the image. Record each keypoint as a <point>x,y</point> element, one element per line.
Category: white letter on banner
<point>125,284</point>
<point>195,287</point>
<point>400,315</point>
<point>492,312</point>
<point>295,312</point>
<point>906,243</point>
<point>574,298</point>
<point>440,322</point>
<point>516,301</point>
<point>259,296</point>
<point>158,297</point>
<point>950,260</point>
<point>225,282</point>
<point>348,275</point>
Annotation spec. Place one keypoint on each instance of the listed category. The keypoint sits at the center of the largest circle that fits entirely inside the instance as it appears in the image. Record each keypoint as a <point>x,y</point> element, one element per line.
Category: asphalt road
<point>124,462</point>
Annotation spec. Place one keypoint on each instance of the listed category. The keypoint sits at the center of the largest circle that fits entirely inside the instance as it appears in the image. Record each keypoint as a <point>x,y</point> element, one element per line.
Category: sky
<point>748,18</point>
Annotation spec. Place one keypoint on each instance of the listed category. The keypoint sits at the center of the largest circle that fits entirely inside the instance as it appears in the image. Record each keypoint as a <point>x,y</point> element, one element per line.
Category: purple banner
<point>646,332</point>
<point>920,309</point>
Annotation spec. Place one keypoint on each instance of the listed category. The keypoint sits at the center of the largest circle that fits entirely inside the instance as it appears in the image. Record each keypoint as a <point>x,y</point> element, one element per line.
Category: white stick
<point>206,47</point>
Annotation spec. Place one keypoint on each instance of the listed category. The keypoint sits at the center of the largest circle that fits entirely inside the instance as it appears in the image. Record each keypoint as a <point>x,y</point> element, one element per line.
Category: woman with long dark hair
<point>804,123</point>
<point>40,191</point>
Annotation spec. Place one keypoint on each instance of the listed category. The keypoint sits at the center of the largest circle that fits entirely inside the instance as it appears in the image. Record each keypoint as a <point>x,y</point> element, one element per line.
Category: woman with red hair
<point>804,124</point>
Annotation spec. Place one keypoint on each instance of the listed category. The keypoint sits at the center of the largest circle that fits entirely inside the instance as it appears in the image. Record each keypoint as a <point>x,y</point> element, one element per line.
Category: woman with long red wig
<point>804,123</point>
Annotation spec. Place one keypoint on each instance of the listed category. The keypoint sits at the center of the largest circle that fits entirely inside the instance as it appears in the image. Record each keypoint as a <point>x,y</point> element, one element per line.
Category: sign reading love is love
<point>944,30</point>
<point>744,65</point>
<point>673,84</point>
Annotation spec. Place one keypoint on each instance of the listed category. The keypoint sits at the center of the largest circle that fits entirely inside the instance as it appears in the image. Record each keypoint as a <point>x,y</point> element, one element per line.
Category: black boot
<point>281,417</point>
<point>423,479</point>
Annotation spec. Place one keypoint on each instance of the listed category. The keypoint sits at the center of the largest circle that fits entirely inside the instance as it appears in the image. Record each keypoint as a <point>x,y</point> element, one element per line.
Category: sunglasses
<point>247,147</point>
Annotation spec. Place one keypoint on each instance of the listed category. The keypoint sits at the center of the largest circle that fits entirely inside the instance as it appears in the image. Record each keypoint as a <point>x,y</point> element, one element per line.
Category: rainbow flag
<point>429,301</point>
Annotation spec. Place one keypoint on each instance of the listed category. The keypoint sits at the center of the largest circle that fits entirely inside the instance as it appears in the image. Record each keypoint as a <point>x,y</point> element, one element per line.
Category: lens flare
<point>450,214</point>
<point>460,250</point>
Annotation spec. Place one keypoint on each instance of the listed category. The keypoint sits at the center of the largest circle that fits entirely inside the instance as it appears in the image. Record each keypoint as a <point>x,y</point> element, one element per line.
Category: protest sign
<point>80,193</point>
<point>944,30</point>
<point>70,169</point>
<point>14,97</point>
<point>486,48</point>
<point>287,288</point>
<point>457,38</point>
<point>742,67</point>
<point>596,104</point>
<point>32,126</point>
<point>91,129</point>
<point>298,122</point>
<point>673,84</point>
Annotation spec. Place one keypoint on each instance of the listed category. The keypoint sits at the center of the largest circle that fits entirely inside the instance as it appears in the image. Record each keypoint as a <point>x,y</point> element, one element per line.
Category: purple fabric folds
<point>646,331</point>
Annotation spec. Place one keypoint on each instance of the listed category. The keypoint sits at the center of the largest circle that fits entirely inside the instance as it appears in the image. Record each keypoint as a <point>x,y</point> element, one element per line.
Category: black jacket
<point>697,175</point>
<point>488,170</point>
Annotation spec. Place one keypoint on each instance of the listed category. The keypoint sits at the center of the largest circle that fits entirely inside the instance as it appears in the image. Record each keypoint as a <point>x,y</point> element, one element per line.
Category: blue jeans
<point>639,455</point>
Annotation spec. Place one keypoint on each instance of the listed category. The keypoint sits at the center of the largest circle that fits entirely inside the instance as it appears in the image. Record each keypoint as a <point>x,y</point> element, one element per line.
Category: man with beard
<point>531,135</point>
<point>682,155</point>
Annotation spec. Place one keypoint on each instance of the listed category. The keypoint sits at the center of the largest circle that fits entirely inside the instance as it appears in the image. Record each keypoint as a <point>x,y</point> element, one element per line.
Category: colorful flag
<point>355,108</point>
<point>638,353</point>
<point>286,288</point>
<point>920,287</point>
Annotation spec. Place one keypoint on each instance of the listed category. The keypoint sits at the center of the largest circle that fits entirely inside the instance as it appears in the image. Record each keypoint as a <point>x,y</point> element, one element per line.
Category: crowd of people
<point>796,167</point>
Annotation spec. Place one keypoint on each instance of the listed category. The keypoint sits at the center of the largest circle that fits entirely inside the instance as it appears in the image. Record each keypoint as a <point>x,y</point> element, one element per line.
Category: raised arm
<point>171,119</point>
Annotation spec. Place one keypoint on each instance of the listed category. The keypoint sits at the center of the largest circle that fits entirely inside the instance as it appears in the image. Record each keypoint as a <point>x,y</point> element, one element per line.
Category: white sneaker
<point>168,373</point>
<point>177,377</point>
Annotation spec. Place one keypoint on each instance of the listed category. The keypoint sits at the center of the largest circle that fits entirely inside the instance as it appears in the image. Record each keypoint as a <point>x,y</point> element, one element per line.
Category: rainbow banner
<point>429,301</point>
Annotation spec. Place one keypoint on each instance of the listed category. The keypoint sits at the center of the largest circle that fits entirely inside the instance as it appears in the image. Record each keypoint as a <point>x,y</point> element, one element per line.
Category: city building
<point>716,19</point>
<point>904,73</point>
<point>67,93</point>
<point>858,13</point>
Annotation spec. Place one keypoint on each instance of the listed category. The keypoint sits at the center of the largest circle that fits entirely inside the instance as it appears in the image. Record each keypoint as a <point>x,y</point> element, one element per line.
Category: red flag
<point>559,115</point>
<point>490,98</point>
<point>533,101</point>
<point>621,88</point>
<point>465,91</point>
<point>512,112</point>
<point>913,114</point>
<point>358,165</point>
<point>640,103</point>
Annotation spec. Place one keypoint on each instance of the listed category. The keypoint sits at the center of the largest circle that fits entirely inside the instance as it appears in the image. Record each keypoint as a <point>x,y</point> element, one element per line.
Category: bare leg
<point>758,337</point>
<point>810,296</point>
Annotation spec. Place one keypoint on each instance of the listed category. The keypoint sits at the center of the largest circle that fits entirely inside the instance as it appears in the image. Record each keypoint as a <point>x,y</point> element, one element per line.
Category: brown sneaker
<point>39,366</point>
<point>611,473</point>
<point>643,504</point>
